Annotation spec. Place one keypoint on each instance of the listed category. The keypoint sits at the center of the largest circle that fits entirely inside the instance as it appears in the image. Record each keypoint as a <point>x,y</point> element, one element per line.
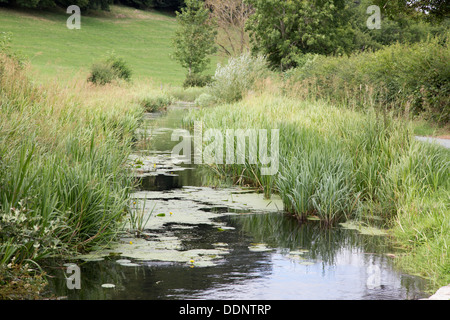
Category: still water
<point>228,243</point>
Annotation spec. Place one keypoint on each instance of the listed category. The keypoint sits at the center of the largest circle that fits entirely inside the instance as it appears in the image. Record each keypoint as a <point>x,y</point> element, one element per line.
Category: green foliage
<point>283,30</point>
<point>101,73</point>
<point>95,4</point>
<point>435,9</point>
<point>21,281</point>
<point>186,94</point>
<point>155,103</point>
<point>315,176</point>
<point>63,183</point>
<point>196,80</point>
<point>404,29</point>
<point>145,4</point>
<point>232,81</point>
<point>139,4</point>
<point>279,31</point>
<point>405,78</point>
<point>194,39</point>
<point>46,4</point>
<point>338,164</point>
<point>112,68</point>
<point>120,67</point>
<point>205,100</point>
<point>5,48</point>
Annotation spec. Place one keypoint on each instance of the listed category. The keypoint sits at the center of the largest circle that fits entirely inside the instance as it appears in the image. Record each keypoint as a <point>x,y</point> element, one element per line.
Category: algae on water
<point>363,229</point>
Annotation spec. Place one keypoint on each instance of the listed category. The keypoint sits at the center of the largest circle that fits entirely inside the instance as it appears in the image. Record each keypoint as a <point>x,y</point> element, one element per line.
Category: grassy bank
<point>339,164</point>
<point>142,37</point>
<point>63,184</point>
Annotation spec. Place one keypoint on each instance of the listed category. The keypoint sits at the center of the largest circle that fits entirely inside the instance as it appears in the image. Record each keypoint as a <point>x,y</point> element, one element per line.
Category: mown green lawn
<point>143,38</point>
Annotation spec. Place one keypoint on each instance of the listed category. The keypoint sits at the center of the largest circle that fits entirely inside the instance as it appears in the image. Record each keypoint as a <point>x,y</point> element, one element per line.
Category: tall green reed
<point>64,186</point>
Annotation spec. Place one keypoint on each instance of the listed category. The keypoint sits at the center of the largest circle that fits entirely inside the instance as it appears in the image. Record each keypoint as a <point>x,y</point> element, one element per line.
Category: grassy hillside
<point>143,38</point>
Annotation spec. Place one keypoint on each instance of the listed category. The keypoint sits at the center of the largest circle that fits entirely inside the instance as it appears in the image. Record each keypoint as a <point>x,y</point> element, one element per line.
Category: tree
<point>231,16</point>
<point>194,40</point>
<point>284,29</point>
<point>46,4</point>
<point>429,9</point>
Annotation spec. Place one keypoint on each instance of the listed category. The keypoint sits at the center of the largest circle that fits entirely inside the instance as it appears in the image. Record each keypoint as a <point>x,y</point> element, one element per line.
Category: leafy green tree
<point>194,40</point>
<point>428,9</point>
<point>283,29</point>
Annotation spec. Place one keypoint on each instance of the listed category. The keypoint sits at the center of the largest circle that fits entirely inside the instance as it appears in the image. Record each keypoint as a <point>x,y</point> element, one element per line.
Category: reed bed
<point>64,186</point>
<point>337,163</point>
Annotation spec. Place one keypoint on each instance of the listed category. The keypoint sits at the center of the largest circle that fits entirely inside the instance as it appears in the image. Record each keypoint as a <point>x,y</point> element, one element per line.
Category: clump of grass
<point>156,102</point>
<point>316,178</point>
<point>186,94</point>
<point>138,218</point>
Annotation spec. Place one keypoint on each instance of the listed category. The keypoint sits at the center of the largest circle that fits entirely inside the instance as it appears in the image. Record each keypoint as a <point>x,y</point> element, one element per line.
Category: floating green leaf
<point>363,229</point>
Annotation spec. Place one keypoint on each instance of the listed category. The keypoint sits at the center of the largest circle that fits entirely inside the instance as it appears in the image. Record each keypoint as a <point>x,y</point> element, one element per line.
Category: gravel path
<point>443,142</point>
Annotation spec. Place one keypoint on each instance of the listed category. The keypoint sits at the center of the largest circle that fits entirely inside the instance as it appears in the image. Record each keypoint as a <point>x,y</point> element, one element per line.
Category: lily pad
<point>260,247</point>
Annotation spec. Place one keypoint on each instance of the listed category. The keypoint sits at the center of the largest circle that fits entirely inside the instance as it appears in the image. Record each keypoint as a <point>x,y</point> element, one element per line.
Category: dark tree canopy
<point>95,4</point>
<point>286,30</point>
<point>433,9</point>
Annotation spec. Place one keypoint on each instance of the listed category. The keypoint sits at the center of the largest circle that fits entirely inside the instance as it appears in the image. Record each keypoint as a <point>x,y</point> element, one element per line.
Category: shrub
<point>233,80</point>
<point>101,73</point>
<point>111,68</point>
<point>405,78</point>
<point>120,67</point>
<point>196,80</point>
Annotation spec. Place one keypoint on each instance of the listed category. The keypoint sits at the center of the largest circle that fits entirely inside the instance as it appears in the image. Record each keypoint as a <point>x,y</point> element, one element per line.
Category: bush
<point>233,80</point>
<point>196,80</point>
<point>110,69</point>
<point>405,78</point>
<point>101,73</point>
<point>120,67</point>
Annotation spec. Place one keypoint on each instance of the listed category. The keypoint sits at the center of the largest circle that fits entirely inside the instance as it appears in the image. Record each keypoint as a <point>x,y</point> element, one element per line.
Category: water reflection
<point>296,261</point>
<point>334,264</point>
